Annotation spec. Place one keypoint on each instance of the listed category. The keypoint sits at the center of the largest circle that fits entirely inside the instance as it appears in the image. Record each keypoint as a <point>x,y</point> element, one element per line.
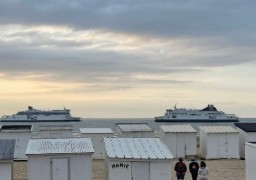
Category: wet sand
<point>228,169</point>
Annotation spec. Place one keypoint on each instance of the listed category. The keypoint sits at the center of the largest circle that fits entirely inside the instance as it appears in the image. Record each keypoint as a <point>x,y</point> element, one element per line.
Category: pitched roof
<point>60,146</point>
<point>247,127</point>
<point>134,127</point>
<point>178,128</point>
<point>7,147</point>
<point>136,148</point>
<point>96,131</point>
<point>218,129</point>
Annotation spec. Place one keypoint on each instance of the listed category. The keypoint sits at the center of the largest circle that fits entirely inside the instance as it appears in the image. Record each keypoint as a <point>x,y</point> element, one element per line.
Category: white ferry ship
<point>208,114</point>
<point>40,116</point>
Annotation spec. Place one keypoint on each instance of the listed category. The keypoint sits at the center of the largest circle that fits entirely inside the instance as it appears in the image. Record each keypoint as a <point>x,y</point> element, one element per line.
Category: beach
<point>228,169</point>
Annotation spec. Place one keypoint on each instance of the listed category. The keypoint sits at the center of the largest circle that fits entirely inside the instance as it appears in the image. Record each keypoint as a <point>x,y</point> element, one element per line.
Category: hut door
<point>180,145</point>
<point>59,169</point>
<point>223,146</point>
<point>140,171</point>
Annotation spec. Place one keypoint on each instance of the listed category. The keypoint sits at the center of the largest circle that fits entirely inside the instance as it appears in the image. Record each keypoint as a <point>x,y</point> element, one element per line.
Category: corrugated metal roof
<point>178,128</point>
<point>96,131</point>
<point>7,147</point>
<point>60,146</point>
<point>218,129</point>
<point>247,127</point>
<point>134,127</point>
<point>136,148</point>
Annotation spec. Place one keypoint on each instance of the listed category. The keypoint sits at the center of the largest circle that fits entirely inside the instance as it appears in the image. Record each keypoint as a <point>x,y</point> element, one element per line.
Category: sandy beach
<point>226,169</point>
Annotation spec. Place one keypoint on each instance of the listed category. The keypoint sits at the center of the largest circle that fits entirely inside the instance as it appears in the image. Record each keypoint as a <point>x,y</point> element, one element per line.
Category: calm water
<point>111,123</point>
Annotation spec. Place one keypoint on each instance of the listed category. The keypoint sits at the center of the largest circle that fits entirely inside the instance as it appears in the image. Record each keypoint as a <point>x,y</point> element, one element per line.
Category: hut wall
<point>250,161</point>
<point>79,167</point>
<point>6,170</point>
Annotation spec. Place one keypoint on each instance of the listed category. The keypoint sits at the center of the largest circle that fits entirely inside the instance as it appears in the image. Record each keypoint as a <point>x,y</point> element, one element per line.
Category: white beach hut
<point>180,139</point>
<point>134,130</point>
<point>7,147</point>
<point>218,142</point>
<point>137,159</point>
<point>250,160</point>
<point>60,159</point>
<point>247,134</point>
<point>21,134</point>
<point>97,136</point>
<point>52,131</point>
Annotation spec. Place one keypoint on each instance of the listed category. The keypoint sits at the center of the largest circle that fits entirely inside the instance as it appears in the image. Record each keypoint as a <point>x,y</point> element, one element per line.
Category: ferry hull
<point>198,120</point>
<point>71,120</point>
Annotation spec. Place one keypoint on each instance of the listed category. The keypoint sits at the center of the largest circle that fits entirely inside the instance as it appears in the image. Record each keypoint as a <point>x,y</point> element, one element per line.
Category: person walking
<point>180,169</point>
<point>193,168</point>
<point>203,171</point>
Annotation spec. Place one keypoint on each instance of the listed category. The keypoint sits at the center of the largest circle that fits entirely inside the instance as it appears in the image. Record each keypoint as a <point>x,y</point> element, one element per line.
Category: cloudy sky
<point>126,58</point>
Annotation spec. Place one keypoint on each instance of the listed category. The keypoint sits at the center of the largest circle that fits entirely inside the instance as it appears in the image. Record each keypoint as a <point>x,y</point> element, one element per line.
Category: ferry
<point>34,115</point>
<point>208,114</point>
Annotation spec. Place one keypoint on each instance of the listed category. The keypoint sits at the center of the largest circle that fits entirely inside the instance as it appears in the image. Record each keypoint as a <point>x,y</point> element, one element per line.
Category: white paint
<point>250,161</point>
<point>80,166</point>
<point>137,159</point>
<point>180,139</point>
<point>160,171</point>
<point>97,136</point>
<point>54,131</point>
<point>140,171</point>
<point>119,173</point>
<point>216,145</point>
<point>134,130</point>
<point>245,137</point>
<point>6,170</point>
<point>21,141</point>
<point>59,169</point>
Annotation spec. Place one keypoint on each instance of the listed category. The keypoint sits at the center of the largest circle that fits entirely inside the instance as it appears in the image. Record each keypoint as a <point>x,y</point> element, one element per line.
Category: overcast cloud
<point>103,44</point>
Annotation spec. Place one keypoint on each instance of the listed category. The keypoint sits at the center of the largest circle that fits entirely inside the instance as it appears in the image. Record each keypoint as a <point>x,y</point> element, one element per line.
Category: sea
<point>112,122</point>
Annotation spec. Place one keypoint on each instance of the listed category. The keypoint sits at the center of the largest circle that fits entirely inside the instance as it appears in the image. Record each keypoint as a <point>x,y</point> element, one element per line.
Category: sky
<point>126,58</point>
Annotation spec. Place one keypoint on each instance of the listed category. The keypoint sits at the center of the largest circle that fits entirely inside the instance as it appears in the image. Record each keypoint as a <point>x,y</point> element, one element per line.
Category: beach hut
<point>21,134</point>
<point>97,136</point>
<point>55,159</point>
<point>250,160</point>
<point>180,139</point>
<point>52,131</point>
<point>247,134</point>
<point>137,159</point>
<point>218,142</point>
<point>7,147</point>
<point>134,130</point>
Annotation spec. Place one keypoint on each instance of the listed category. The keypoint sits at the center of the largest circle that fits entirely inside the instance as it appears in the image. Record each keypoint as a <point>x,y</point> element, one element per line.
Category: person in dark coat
<point>180,169</point>
<point>193,168</point>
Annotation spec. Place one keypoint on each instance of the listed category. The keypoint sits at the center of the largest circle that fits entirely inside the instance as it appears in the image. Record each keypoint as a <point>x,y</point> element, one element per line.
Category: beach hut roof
<point>59,146</point>
<point>96,131</point>
<point>55,127</point>
<point>7,147</point>
<point>136,148</point>
<point>134,127</point>
<point>218,129</point>
<point>178,128</point>
<point>247,127</point>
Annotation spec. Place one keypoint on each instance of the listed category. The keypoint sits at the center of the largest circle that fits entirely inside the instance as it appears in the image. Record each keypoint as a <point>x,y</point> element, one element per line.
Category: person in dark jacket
<point>180,169</point>
<point>193,168</point>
